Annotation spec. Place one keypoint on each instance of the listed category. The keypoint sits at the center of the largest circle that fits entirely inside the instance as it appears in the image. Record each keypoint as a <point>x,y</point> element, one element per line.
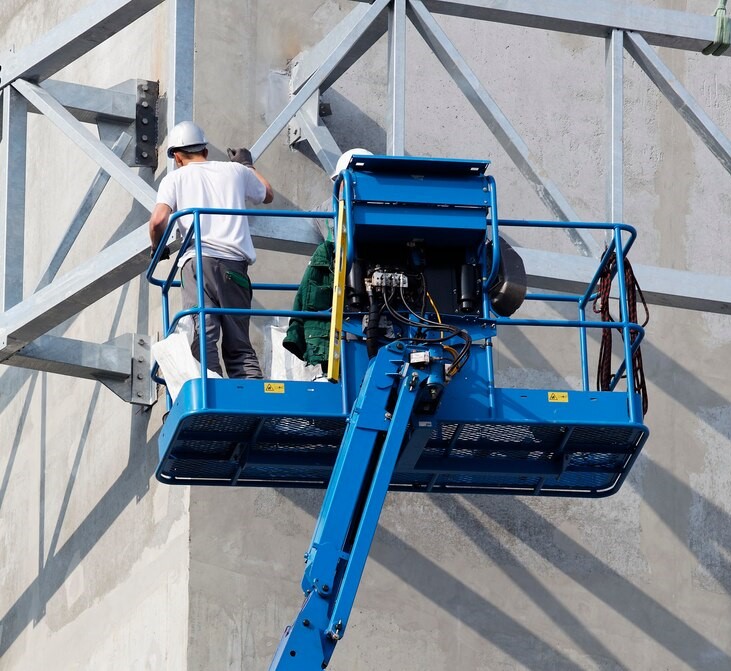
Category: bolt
<point>139,394</point>
<point>413,381</point>
<point>145,154</point>
<point>139,376</point>
<point>306,622</point>
<point>140,359</point>
<point>484,188</point>
<point>325,588</point>
<point>141,341</point>
<point>145,103</point>
<point>388,416</point>
<point>145,138</point>
<point>145,88</point>
<point>145,122</point>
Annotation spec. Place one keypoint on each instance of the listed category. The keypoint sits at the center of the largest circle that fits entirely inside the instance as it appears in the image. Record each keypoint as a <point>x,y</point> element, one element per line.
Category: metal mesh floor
<point>298,451</point>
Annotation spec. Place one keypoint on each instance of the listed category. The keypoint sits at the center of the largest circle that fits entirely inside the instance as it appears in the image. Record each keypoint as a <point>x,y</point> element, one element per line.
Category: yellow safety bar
<point>336,325</point>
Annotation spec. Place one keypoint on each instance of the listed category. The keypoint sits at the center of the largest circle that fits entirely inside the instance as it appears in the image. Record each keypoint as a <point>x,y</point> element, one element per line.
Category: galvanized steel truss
<point>26,87</point>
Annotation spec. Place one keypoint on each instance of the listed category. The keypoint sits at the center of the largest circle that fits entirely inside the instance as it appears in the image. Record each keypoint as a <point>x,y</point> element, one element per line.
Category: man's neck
<point>193,159</point>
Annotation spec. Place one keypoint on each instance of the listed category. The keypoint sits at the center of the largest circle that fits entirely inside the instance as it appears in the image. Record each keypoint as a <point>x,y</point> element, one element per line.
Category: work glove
<point>164,256</point>
<point>242,155</point>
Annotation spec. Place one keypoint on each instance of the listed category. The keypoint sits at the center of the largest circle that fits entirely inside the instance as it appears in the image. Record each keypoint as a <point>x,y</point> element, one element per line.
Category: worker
<point>226,244</point>
<point>309,339</point>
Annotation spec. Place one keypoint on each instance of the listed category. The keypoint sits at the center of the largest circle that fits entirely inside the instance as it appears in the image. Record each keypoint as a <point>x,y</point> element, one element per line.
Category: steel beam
<point>90,104</point>
<point>660,286</point>
<point>71,39</point>
<point>332,64</point>
<point>311,60</point>
<point>498,123</point>
<point>127,258</point>
<point>98,151</point>
<point>615,121</point>
<point>318,136</point>
<point>679,97</point>
<point>12,197</point>
<point>116,265</point>
<point>182,64</point>
<point>596,18</point>
<point>396,107</point>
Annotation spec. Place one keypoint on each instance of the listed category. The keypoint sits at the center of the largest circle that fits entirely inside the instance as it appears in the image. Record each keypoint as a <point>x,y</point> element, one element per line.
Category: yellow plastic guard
<point>336,325</point>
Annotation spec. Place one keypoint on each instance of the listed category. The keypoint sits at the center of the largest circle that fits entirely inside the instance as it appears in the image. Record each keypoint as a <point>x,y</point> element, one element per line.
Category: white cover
<point>177,363</point>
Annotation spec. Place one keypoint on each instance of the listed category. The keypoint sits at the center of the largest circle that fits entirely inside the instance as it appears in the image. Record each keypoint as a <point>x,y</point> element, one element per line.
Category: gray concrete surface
<point>103,568</point>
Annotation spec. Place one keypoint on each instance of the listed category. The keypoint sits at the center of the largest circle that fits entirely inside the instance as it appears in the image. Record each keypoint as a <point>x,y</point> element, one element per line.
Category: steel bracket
<point>143,388</point>
<point>146,124</point>
<point>123,364</point>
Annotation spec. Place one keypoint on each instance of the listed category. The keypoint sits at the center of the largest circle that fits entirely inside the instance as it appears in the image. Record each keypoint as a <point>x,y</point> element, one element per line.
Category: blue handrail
<point>623,237</point>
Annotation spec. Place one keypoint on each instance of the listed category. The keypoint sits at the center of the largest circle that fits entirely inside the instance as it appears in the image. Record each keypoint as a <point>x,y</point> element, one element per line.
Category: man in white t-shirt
<point>226,243</point>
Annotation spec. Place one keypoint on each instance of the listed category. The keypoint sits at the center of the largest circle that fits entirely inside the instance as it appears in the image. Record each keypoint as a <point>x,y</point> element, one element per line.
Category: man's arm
<point>243,156</point>
<point>270,193</point>
<point>158,223</point>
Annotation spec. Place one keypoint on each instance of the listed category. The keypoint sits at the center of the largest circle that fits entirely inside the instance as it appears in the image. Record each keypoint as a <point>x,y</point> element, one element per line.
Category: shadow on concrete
<point>132,484</point>
<point>446,591</point>
<point>22,377</point>
<point>346,116</point>
<point>599,579</point>
<point>661,490</point>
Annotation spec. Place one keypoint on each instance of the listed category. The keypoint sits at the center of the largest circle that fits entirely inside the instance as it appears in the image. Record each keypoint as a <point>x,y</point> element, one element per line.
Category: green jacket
<point>308,339</point>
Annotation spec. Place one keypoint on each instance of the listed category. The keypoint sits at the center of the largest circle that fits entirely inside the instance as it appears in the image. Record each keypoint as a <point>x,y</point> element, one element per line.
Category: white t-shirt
<point>215,184</point>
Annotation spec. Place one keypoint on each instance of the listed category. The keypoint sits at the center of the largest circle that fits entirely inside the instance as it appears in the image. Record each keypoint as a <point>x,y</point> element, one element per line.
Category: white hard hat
<point>186,136</point>
<point>345,159</point>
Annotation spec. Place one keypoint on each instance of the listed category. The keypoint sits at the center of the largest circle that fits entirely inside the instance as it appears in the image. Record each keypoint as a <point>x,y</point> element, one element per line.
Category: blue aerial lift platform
<point>423,285</point>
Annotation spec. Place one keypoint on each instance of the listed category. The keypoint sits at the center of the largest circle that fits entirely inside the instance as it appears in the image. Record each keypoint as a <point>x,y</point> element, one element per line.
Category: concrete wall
<point>104,568</point>
<point>94,556</point>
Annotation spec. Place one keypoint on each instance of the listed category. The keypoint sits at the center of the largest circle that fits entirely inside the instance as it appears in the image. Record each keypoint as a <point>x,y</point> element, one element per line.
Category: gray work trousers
<point>221,291</point>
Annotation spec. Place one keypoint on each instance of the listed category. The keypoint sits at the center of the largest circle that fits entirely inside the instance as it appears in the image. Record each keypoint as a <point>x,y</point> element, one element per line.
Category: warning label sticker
<point>274,387</point>
<point>558,397</point>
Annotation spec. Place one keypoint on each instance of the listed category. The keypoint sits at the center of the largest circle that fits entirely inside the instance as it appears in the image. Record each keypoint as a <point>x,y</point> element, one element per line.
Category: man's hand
<point>164,256</point>
<point>242,155</point>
